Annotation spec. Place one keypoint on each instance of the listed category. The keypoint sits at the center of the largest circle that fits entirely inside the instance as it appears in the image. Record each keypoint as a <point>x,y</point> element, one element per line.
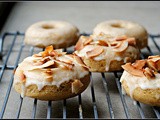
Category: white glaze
<point>108,54</point>
<point>134,81</point>
<point>38,76</point>
<point>123,91</point>
<point>134,102</point>
<point>23,90</point>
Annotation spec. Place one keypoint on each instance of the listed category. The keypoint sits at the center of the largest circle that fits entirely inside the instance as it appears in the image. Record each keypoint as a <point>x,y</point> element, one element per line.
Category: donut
<point>123,27</point>
<point>103,53</point>
<point>59,34</point>
<point>141,80</point>
<point>51,75</point>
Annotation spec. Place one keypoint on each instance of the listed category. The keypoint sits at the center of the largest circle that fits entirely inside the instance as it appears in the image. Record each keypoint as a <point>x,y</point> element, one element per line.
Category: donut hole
<point>117,25</point>
<point>48,27</point>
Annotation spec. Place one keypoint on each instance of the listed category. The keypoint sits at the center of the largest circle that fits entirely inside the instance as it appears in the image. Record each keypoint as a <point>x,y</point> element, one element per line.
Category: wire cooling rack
<point>13,50</point>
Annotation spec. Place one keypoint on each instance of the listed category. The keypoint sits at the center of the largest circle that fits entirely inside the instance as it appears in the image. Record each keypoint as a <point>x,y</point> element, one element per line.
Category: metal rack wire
<point>4,66</point>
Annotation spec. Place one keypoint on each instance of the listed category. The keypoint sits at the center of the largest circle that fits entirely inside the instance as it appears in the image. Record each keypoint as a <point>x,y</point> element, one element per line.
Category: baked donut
<point>141,80</point>
<point>59,34</point>
<point>51,75</point>
<point>123,27</point>
<point>105,53</point>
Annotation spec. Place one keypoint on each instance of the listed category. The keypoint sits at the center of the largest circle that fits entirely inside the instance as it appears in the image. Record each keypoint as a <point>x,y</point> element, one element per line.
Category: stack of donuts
<point>114,45</point>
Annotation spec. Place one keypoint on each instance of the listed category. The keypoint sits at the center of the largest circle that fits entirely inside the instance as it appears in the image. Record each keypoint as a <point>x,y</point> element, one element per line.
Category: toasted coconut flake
<point>66,61</point>
<point>123,46</point>
<point>53,53</point>
<point>95,52</point>
<point>116,44</point>
<point>44,54</point>
<point>60,52</point>
<point>44,60</point>
<point>76,86</point>
<point>78,59</point>
<point>139,64</point>
<point>80,62</point>
<point>158,65</point>
<point>130,69</point>
<point>38,63</point>
<point>120,38</point>
<point>154,58</point>
<point>94,42</point>
<point>102,43</point>
<point>152,65</point>
<point>79,44</point>
<point>49,49</point>
<point>131,41</point>
<point>154,62</point>
<point>87,40</point>
<point>47,64</point>
<point>64,65</point>
<point>21,75</point>
<point>148,73</point>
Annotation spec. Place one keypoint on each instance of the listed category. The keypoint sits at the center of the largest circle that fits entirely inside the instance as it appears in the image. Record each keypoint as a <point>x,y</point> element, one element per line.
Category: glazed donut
<point>105,53</point>
<point>51,75</point>
<point>59,34</point>
<point>141,80</point>
<point>122,27</point>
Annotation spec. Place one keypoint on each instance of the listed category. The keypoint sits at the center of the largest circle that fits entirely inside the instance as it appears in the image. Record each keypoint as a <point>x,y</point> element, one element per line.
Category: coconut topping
<point>119,44</point>
<point>143,73</point>
<point>76,86</point>
<point>105,47</point>
<point>98,50</point>
<point>148,67</point>
<point>50,67</point>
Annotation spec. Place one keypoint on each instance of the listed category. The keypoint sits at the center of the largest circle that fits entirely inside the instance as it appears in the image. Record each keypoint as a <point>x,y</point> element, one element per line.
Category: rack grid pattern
<point>4,66</point>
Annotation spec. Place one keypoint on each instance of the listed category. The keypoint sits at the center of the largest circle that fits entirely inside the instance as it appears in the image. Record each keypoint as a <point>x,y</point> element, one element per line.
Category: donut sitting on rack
<point>103,53</point>
<point>123,27</point>
<point>59,34</point>
<point>141,80</point>
<point>51,75</point>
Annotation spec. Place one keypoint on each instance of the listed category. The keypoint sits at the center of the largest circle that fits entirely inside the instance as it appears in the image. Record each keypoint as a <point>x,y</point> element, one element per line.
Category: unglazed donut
<point>141,80</point>
<point>123,27</point>
<point>105,53</point>
<point>51,75</point>
<point>59,34</point>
